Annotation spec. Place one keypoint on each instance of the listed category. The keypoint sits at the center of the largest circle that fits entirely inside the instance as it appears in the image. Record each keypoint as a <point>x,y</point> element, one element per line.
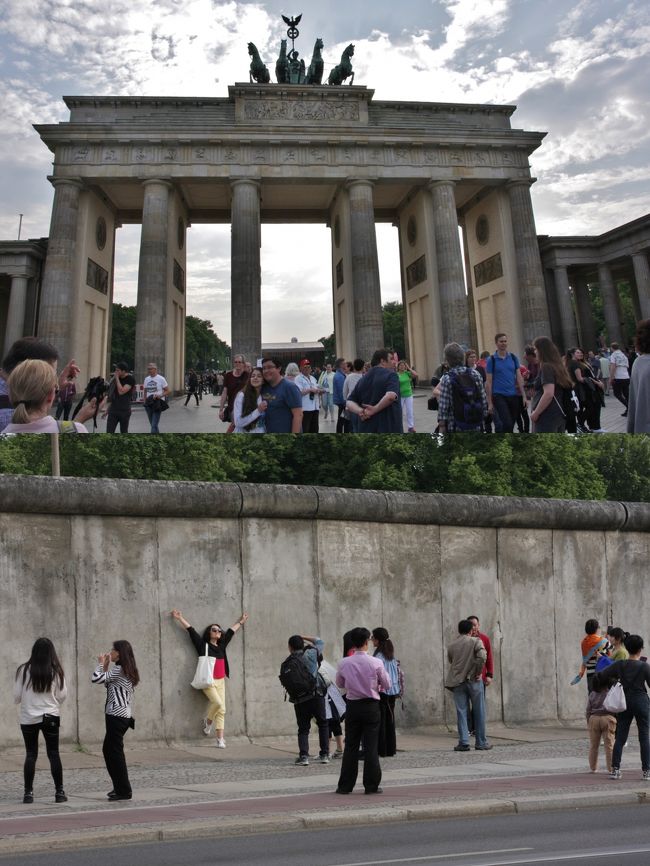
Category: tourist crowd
<point>543,392</point>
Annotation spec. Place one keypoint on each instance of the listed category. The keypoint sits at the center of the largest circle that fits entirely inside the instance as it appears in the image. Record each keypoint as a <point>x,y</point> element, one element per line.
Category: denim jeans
<point>470,691</point>
<point>638,708</point>
<point>154,418</point>
<point>305,712</point>
<point>30,735</point>
<point>506,411</point>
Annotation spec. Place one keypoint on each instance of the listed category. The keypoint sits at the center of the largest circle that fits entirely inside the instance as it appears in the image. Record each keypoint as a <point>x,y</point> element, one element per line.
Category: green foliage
<point>615,467</point>
<point>626,304</point>
<point>203,349</point>
<point>330,348</point>
<point>123,335</point>
<point>393,316</point>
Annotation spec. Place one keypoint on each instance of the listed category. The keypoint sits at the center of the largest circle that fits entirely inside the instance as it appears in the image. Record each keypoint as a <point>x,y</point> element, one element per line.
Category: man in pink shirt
<point>363,677</point>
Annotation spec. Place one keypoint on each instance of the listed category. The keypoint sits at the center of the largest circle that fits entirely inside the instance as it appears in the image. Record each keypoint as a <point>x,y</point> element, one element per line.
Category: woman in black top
<point>217,641</point>
<point>588,389</point>
<point>634,675</point>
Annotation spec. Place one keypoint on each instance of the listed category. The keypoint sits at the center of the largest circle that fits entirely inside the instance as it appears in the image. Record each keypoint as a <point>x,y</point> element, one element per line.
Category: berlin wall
<point>89,561</point>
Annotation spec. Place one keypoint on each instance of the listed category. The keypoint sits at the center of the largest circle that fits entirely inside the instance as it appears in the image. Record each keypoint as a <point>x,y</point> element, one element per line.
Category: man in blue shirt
<point>311,706</point>
<point>283,398</point>
<point>339,399</point>
<point>504,386</point>
<point>375,398</point>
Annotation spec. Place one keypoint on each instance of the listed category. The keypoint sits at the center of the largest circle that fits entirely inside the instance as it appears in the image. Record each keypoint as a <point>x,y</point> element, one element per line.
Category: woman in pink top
<point>32,387</point>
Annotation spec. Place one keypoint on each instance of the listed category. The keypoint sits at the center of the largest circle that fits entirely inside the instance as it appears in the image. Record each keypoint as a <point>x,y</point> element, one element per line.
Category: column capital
<point>358,181</point>
<point>150,181</point>
<point>66,181</point>
<point>439,184</point>
<point>248,181</point>
<point>520,181</point>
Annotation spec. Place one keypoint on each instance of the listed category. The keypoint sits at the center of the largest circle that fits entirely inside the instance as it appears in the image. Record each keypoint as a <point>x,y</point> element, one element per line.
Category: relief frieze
<point>281,109</point>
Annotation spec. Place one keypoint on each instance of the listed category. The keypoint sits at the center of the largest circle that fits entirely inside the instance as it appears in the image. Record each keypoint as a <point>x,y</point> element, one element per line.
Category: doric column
<point>58,290</point>
<point>567,319</point>
<point>588,338</point>
<point>610,304</point>
<point>642,277</point>
<point>366,291</point>
<point>245,273</point>
<point>532,297</point>
<point>16,313</point>
<point>153,278</point>
<point>449,259</point>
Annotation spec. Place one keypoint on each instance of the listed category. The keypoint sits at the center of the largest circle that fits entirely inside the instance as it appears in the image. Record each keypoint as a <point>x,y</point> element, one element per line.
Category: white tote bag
<point>615,701</point>
<point>203,674</point>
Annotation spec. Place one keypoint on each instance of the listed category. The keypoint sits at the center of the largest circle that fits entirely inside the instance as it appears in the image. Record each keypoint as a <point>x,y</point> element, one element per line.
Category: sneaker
<point>462,747</point>
<point>221,743</point>
<point>646,775</point>
<point>324,759</point>
<point>29,797</point>
<point>616,773</point>
<point>208,727</point>
<point>60,796</point>
<point>485,748</point>
<point>302,761</point>
<point>338,753</point>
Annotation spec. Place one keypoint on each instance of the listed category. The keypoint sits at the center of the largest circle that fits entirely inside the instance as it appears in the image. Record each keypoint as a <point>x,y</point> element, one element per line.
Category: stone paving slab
<point>256,788</point>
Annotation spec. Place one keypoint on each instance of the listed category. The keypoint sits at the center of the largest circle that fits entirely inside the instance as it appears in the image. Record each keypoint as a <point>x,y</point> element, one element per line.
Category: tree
<point>123,335</point>
<point>330,348</point>
<point>393,316</point>
<point>203,348</point>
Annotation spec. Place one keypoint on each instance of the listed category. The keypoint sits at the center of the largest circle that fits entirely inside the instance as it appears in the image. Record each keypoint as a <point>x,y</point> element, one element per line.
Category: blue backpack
<point>467,400</point>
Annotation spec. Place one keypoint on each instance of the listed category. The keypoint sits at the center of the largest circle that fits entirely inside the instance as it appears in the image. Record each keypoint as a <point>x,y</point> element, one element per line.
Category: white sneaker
<point>221,743</point>
<point>208,727</point>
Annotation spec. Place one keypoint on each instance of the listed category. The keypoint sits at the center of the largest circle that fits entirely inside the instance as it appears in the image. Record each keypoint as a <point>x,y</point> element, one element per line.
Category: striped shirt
<point>119,691</point>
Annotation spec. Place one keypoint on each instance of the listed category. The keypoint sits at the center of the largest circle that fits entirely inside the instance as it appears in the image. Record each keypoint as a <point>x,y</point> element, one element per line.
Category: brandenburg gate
<point>292,153</point>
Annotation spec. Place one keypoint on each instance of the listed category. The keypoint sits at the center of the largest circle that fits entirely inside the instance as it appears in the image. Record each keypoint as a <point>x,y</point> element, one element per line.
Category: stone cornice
<point>188,499</point>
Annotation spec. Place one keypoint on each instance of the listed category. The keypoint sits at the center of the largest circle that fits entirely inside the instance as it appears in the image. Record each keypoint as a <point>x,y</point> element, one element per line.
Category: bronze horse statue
<point>258,71</point>
<point>282,64</point>
<point>344,69</point>
<point>315,71</point>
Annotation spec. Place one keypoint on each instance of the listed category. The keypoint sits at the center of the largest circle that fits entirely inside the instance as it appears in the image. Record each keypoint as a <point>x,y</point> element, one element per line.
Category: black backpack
<point>299,683</point>
<point>466,400</point>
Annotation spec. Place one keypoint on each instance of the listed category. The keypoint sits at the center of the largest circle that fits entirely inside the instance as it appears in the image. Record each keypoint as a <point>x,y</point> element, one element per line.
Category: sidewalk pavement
<point>193,789</point>
<point>204,418</point>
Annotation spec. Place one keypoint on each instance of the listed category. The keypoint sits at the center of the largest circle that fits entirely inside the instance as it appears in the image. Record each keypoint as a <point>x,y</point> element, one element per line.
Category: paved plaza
<point>205,417</point>
<point>193,789</point>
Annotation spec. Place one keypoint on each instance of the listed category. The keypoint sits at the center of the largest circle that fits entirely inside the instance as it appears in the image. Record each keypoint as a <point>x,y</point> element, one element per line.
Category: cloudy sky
<point>578,69</point>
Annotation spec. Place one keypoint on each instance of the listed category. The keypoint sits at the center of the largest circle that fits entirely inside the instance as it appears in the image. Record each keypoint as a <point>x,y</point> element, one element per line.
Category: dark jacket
<point>218,651</point>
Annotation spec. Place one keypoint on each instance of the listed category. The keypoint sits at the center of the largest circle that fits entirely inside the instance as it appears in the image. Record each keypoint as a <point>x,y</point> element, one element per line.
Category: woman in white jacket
<point>40,690</point>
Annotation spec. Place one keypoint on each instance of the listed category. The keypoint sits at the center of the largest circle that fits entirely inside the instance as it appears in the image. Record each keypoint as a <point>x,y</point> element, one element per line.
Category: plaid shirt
<point>446,400</point>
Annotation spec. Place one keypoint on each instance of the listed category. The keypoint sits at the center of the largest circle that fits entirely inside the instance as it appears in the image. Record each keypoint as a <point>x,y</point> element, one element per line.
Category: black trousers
<point>310,421</point>
<point>362,720</point>
<point>113,750</point>
<point>387,742</point>
<point>30,736</point>
<point>115,418</point>
<point>191,394</point>
<point>314,708</point>
<point>621,388</point>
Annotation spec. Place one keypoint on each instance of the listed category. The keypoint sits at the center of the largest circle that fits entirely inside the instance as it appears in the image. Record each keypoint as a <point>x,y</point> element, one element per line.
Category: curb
<point>321,820</point>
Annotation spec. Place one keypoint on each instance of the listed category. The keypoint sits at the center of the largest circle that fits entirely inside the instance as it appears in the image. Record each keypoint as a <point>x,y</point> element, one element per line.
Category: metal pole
<point>56,461</point>
<point>20,224</point>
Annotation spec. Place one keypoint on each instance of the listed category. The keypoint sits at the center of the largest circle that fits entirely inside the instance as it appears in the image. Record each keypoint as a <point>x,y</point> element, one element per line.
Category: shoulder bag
<point>204,668</point>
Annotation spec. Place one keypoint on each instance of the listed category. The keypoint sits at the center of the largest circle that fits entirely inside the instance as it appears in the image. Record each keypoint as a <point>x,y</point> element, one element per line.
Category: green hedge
<point>613,466</point>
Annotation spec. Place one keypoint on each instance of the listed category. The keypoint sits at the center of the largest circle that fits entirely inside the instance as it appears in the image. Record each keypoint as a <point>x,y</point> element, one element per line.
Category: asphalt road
<point>618,836</point>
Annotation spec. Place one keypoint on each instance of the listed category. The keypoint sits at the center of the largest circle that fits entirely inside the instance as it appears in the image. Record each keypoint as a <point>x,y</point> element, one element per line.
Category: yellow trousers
<point>216,695</point>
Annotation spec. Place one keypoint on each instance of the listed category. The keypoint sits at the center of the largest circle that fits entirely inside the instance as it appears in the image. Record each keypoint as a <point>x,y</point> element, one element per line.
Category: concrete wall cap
<point>115,496</point>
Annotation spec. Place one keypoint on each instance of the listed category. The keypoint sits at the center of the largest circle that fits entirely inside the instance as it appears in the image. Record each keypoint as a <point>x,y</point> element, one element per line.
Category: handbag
<point>432,404</point>
<point>203,673</point>
<point>615,701</point>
